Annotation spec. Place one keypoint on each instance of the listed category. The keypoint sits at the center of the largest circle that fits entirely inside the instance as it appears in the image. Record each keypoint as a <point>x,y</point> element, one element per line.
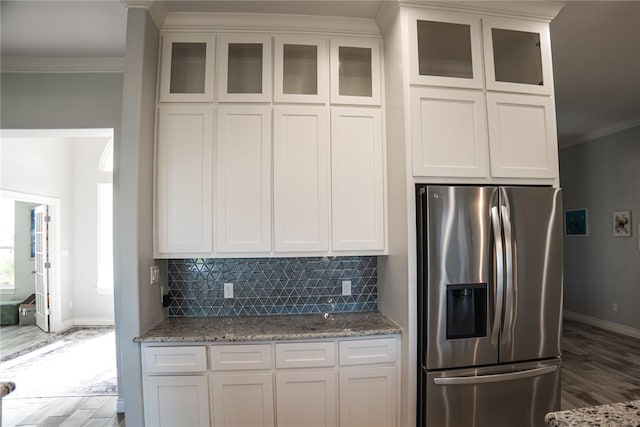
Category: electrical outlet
<point>228,290</point>
<point>346,287</point>
<point>154,274</point>
<point>614,306</point>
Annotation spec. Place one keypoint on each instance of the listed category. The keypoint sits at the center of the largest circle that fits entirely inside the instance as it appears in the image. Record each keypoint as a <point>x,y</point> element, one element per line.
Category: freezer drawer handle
<point>482,379</point>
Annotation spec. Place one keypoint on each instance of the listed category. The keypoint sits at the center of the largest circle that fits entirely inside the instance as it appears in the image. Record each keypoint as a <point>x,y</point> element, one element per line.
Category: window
<point>105,220</point>
<point>7,242</point>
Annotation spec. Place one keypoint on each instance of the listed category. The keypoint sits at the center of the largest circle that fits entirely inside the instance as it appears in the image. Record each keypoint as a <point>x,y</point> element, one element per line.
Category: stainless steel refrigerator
<point>489,305</point>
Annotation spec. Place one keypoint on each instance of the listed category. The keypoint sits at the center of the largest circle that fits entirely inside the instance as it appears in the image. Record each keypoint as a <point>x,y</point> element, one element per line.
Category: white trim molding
<point>543,11</point>
<point>604,324</point>
<point>24,64</point>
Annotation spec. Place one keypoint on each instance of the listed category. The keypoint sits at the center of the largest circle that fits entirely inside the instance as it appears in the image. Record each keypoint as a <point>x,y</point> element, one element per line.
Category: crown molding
<point>23,64</point>
<point>272,23</point>
<point>137,4</point>
<point>544,11</point>
<point>599,133</point>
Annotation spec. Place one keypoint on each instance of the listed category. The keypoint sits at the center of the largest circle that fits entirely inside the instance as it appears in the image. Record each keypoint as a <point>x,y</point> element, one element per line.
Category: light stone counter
<point>268,328</point>
<point>624,414</point>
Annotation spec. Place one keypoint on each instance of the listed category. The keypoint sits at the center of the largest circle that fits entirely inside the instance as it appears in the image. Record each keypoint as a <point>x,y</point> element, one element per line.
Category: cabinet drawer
<point>305,355</point>
<point>363,352</point>
<point>240,357</point>
<point>177,359</point>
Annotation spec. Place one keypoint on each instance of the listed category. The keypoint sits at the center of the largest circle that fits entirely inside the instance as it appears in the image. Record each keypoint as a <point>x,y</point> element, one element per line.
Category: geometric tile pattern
<point>264,286</point>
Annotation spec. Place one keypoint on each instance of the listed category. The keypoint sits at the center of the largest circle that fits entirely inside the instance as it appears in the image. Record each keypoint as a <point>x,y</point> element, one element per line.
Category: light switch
<point>155,274</point>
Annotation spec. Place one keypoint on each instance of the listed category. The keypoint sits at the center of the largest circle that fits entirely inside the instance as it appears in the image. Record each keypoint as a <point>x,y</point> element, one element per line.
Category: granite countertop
<point>6,388</point>
<point>624,414</point>
<point>268,328</point>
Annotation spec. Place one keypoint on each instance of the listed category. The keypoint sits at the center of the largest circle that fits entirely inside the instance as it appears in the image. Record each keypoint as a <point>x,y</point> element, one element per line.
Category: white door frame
<point>55,303</point>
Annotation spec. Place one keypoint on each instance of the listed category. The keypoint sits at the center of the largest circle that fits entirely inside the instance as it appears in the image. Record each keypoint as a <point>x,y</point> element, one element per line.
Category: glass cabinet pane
<point>517,57</point>
<point>300,69</point>
<point>444,49</point>
<point>355,77</point>
<point>188,67</point>
<point>244,74</point>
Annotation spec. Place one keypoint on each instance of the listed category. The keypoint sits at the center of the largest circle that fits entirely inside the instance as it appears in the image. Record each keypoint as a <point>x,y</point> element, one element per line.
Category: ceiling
<point>596,47</point>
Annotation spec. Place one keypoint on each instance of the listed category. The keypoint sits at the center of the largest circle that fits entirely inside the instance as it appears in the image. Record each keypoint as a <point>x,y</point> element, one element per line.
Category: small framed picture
<point>622,223</point>
<point>575,222</point>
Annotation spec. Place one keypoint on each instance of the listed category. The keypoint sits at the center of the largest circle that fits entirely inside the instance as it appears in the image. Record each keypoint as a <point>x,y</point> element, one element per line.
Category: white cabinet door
<point>176,401</point>
<point>301,179</point>
<point>357,179</point>
<point>242,399</point>
<point>368,397</point>
<point>306,398</point>
<point>186,73</point>
<point>301,69</point>
<point>522,131</point>
<point>517,56</point>
<point>184,160</point>
<point>244,68</point>
<point>355,71</point>
<point>449,133</point>
<point>243,179</point>
<point>445,49</point>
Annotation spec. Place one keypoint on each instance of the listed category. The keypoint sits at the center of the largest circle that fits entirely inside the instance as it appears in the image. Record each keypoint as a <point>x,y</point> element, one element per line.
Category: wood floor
<point>598,367</point>
<point>86,411</point>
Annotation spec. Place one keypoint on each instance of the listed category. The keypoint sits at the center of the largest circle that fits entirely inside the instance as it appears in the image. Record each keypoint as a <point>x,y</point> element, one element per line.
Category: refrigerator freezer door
<point>501,396</point>
<point>532,217</point>
<point>457,290</point>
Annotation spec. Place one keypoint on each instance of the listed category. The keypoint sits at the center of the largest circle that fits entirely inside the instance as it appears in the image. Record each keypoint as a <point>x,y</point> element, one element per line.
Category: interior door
<point>42,266</point>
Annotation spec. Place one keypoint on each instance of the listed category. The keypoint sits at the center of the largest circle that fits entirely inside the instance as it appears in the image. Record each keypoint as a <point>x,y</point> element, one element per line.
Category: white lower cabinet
<point>176,401</point>
<point>242,399</point>
<point>346,382</point>
<point>368,396</point>
<point>306,397</point>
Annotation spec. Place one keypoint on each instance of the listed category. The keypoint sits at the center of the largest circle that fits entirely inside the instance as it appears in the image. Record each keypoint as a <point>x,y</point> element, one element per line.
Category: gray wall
<point>140,306</point>
<point>603,175</point>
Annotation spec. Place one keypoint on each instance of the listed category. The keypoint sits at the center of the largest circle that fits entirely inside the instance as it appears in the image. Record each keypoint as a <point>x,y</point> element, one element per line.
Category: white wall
<point>89,306</point>
<point>42,166</point>
<point>64,169</point>
<point>603,175</point>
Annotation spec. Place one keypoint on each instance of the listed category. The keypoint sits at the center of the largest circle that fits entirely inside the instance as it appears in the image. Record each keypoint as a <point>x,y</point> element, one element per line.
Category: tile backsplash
<point>271,285</point>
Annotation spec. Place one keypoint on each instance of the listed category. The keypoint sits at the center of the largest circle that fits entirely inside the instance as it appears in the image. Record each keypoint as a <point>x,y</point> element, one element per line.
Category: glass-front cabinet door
<point>244,67</point>
<point>355,71</point>
<point>187,67</point>
<point>517,56</point>
<point>301,69</point>
<point>446,49</point>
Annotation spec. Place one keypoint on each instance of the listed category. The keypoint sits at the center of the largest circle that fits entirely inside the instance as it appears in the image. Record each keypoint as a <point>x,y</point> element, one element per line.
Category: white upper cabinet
<point>517,56</point>
<point>355,71</point>
<point>301,178</point>
<point>357,172</point>
<point>184,179</point>
<point>449,132</point>
<point>522,130</point>
<point>243,179</point>
<point>301,69</point>
<point>187,67</point>
<point>446,49</point>
<point>244,68</point>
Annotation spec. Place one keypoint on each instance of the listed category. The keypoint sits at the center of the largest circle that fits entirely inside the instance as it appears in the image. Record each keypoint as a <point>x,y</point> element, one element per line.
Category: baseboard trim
<point>120,406</point>
<point>604,324</point>
<point>83,322</point>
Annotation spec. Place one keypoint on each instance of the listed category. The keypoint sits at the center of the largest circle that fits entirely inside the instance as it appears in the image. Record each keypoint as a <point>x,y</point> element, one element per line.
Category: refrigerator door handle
<point>494,378</point>
<point>499,254</point>
<point>508,274</point>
